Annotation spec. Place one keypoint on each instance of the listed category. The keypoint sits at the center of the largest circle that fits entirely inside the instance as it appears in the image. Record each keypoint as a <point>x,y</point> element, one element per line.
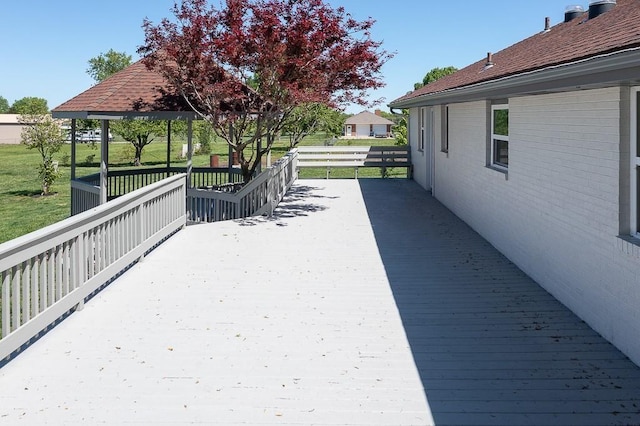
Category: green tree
<point>139,133</point>
<point>30,106</point>
<point>332,123</point>
<point>308,118</point>
<point>399,128</point>
<point>204,136</point>
<point>105,65</point>
<point>44,134</point>
<point>435,74</point>
<point>245,66</point>
<point>4,105</point>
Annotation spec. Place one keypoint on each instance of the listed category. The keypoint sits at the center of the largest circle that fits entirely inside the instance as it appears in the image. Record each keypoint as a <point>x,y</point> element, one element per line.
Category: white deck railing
<point>85,191</point>
<point>48,273</point>
<point>261,195</point>
<point>84,196</point>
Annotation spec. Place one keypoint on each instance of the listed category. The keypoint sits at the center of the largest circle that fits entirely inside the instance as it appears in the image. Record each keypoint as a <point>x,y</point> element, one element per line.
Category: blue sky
<point>46,44</point>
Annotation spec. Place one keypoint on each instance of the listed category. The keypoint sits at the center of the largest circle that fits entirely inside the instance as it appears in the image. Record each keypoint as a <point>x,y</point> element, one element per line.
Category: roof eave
<point>120,115</point>
<point>606,69</point>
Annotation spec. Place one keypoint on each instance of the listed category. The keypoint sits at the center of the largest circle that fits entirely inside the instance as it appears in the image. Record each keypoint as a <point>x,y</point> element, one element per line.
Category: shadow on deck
<point>491,346</point>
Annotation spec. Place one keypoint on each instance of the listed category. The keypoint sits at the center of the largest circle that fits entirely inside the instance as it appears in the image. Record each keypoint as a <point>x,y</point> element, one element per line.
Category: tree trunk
<point>138,155</point>
<point>246,171</point>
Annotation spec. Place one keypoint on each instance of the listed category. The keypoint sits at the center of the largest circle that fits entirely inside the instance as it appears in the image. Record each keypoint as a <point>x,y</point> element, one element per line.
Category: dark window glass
<point>638,124</point>
<point>501,152</point>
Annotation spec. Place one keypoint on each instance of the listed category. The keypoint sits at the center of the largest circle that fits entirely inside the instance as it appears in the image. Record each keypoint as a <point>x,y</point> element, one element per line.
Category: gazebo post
<point>73,149</point>
<point>168,146</point>
<point>104,161</point>
<point>189,150</point>
<point>230,161</point>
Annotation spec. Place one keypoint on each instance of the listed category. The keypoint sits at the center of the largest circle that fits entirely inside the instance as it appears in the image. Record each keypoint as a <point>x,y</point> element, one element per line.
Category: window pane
<point>638,124</point>
<point>501,122</point>
<point>501,152</point>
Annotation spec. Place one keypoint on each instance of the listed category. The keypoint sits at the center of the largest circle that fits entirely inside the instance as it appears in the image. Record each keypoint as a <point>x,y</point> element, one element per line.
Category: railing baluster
<point>58,272</point>
<point>5,304</point>
<point>15,299</point>
<point>35,294</point>
<point>26,291</point>
<point>51,276</point>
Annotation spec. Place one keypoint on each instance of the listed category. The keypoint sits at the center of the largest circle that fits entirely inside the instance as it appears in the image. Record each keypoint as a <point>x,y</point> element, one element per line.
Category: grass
<point>23,209</point>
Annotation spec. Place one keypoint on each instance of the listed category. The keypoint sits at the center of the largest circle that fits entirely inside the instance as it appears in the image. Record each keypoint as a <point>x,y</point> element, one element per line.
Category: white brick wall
<point>418,158</point>
<point>556,214</point>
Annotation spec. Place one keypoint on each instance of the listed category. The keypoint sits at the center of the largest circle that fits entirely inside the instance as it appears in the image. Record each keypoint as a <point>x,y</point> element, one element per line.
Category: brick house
<point>537,147</point>
<point>367,125</point>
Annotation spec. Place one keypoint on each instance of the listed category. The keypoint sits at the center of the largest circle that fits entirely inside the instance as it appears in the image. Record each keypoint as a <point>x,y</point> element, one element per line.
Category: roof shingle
<point>366,117</point>
<point>580,38</point>
<point>134,89</point>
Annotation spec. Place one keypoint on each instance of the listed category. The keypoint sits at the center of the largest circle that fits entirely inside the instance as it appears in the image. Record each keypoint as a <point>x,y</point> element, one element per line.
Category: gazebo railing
<point>85,191</point>
<point>49,272</point>
<point>84,196</point>
<point>211,196</point>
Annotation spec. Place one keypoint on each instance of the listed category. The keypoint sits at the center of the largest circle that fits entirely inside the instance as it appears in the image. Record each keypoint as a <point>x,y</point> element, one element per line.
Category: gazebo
<point>135,92</point>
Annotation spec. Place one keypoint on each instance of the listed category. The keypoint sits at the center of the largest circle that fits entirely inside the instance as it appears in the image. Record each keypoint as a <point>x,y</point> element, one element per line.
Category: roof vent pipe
<point>547,24</point>
<point>598,7</point>
<point>489,62</point>
<point>572,12</point>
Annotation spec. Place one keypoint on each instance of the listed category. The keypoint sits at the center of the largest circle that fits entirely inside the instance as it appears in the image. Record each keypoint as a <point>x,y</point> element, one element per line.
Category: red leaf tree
<point>246,66</point>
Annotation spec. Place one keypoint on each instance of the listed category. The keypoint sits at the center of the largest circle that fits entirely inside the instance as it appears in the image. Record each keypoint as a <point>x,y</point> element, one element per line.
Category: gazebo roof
<point>133,92</point>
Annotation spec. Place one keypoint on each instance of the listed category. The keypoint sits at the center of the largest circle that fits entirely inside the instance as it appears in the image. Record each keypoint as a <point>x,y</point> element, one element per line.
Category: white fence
<point>47,273</point>
<point>355,157</point>
<point>261,195</point>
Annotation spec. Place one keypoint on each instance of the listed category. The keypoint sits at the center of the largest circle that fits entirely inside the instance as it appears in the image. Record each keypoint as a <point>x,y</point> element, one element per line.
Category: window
<point>635,165</point>
<point>423,129</point>
<point>500,136</point>
<point>444,147</point>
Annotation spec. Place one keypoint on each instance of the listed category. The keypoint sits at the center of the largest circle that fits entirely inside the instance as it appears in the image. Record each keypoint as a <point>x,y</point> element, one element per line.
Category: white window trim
<point>444,142</point>
<point>496,136</point>
<point>634,168</point>
<point>422,129</point>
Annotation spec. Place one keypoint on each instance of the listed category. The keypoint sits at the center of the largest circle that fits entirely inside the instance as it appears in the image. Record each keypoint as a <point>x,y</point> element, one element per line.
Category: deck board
<point>364,302</point>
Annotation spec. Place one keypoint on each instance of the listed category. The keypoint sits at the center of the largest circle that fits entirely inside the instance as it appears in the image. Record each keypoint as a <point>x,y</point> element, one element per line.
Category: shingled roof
<point>570,42</point>
<point>366,117</point>
<point>134,91</point>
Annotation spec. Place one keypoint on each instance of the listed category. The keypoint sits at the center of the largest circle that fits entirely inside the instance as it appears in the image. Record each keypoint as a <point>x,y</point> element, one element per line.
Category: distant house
<point>367,125</point>
<point>537,147</point>
<point>10,129</point>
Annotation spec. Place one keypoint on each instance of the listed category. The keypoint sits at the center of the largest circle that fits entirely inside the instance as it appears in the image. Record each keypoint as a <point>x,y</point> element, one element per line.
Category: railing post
<point>140,232</point>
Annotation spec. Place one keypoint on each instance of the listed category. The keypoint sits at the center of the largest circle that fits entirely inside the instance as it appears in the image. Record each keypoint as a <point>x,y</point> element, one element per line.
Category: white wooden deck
<point>361,302</point>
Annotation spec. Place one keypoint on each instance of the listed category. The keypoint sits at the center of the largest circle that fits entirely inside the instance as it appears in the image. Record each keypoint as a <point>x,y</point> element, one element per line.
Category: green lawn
<point>23,210</point>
